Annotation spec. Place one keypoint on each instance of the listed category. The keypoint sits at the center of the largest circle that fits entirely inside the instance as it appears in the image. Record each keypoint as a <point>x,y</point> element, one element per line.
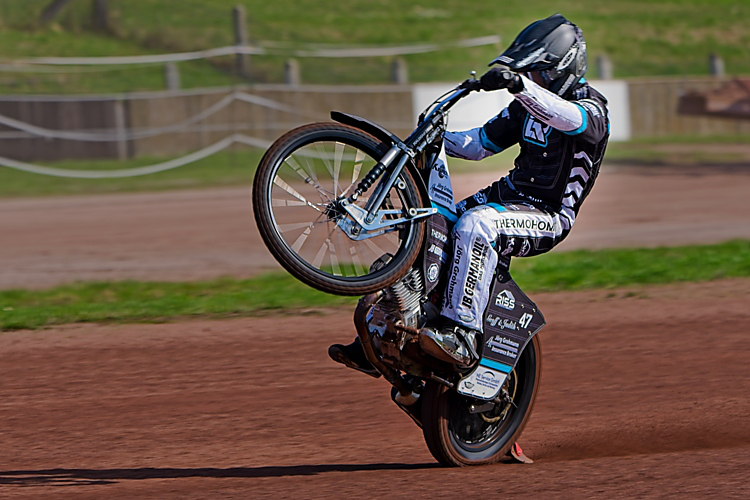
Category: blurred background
<point>97,85</point>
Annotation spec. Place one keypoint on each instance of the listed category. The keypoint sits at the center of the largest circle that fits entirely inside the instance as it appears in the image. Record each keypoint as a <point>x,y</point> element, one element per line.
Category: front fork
<point>372,220</point>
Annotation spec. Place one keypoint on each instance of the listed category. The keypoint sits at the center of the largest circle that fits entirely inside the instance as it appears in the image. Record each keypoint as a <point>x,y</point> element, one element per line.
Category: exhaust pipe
<point>360,323</point>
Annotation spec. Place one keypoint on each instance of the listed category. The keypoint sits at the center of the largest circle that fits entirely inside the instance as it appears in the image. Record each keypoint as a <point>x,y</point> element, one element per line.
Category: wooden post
<point>399,71</point>
<point>715,65</point>
<point>172,76</point>
<point>604,67</point>
<point>291,72</point>
<point>51,10</point>
<point>121,128</point>
<point>100,15</point>
<point>240,39</point>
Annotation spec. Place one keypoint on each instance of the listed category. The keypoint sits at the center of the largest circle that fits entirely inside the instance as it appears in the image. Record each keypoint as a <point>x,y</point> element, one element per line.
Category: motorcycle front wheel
<point>457,437</point>
<point>297,191</point>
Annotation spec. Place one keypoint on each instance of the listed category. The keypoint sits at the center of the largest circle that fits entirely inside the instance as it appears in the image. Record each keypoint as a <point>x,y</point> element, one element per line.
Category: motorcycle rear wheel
<point>296,193</point>
<point>458,438</point>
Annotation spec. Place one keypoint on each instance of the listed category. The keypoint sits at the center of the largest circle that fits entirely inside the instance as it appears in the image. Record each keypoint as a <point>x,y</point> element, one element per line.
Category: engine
<point>403,298</point>
<point>395,320</point>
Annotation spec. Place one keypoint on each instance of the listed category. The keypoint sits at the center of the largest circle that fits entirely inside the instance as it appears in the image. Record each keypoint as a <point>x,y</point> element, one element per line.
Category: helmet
<point>553,46</point>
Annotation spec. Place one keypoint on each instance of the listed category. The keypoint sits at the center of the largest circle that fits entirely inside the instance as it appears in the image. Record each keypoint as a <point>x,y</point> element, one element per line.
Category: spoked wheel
<point>297,196</point>
<point>458,437</point>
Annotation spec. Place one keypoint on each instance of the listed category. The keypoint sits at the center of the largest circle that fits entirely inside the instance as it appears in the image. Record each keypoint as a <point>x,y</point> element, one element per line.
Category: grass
<point>641,37</point>
<point>128,301</point>
<point>234,167</point>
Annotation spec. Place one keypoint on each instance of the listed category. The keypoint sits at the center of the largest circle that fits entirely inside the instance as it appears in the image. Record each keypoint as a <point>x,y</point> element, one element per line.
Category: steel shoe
<point>353,356</point>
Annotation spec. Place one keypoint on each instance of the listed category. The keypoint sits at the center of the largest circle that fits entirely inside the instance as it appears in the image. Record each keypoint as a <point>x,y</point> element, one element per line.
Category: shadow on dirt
<point>77,477</point>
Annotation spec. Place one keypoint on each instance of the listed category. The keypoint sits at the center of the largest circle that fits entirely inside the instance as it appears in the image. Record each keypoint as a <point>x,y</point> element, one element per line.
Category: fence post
<point>399,71</point>
<point>172,76</point>
<point>100,15</point>
<point>121,128</point>
<point>291,72</point>
<point>51,10</point>
<point>604,67</point>
<point>240,39</point>
<point>715,65</point>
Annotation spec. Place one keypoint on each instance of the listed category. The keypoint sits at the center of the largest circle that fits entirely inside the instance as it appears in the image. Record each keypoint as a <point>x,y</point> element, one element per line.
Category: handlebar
<point>471,84</point>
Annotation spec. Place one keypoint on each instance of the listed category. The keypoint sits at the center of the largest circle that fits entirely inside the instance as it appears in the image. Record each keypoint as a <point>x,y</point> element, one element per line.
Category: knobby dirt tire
<point>305,155</point>
<point>444,410</point>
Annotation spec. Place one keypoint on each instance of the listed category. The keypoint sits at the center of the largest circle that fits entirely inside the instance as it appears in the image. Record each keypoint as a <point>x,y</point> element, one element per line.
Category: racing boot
<point>353,356</point>
<point>451,343</point>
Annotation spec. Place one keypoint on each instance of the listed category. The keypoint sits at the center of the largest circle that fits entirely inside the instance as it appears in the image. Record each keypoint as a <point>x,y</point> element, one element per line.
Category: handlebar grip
<point>471,84</point>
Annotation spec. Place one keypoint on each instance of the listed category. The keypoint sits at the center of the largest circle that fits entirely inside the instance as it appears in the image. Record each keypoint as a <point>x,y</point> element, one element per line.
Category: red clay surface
<point>644,390</point>
<point>644,393</point>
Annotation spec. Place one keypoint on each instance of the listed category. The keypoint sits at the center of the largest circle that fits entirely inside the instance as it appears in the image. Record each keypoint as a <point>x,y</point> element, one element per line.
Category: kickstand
<point>517,454</point>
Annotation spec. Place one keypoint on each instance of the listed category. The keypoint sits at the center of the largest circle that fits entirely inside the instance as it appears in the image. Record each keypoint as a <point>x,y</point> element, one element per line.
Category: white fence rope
<point>114,135</point>
<point>137,171</point>
<point>17,64</point>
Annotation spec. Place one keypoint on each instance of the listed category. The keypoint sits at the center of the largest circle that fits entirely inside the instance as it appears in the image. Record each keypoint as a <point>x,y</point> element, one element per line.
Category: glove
<point>501,77</point>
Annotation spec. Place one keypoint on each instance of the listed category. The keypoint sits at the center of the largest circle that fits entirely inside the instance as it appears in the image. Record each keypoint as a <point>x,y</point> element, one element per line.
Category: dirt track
<point>644,391</point>
<point>643,394</point>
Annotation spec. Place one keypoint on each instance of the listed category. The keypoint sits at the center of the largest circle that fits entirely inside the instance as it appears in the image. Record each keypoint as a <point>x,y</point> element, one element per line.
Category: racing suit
<point>533,208</point>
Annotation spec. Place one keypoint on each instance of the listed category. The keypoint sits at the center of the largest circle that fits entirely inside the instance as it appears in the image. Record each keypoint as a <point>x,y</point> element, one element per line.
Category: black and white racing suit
<point>533,208</point>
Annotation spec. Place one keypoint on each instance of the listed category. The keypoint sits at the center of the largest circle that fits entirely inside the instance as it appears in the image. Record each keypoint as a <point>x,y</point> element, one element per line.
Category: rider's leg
<point>479,236</point>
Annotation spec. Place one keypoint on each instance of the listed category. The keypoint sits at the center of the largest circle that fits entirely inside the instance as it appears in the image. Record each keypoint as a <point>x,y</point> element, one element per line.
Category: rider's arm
<point>470,145</point>
<point>569,117</point>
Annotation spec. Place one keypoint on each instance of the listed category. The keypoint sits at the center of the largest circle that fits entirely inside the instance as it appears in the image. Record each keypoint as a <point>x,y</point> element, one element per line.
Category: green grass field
<point>129,301</point>
<point>641,37</point>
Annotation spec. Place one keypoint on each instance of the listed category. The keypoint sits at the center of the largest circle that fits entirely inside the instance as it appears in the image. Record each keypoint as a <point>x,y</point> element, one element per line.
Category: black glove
<point>501,77</point>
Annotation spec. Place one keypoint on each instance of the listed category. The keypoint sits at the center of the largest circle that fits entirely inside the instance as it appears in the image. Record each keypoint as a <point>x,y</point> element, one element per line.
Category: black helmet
<point>553,46</point>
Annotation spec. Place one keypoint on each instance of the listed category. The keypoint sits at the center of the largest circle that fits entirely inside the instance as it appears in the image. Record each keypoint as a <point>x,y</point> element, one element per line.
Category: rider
<point>562,126</point>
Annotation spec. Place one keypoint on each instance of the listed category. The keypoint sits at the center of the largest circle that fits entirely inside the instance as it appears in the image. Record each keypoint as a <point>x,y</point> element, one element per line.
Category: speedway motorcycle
<point>349,208</point>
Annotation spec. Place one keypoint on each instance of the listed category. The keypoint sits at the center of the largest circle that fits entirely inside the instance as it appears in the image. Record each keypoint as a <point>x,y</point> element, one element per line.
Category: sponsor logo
<point>439,167</point>
<point>511,243</point>
<point>432,273</point>
<point>506,300</point>
<point>481,198</point>
<point>438,235</point>
<point>503,346</point>
<point>466,318</point>
<point>434,249</point>
<point>567,59</point>
<point>488,379</point>
<point>530,58</point>
<point>441,192</point>
<point>502,324</point>
<point>536,132</point>
<point>500,341</point>
<point>524,248</point>
<point>461,207</point>
<point>590,107</point>
<point>454,277</point>
<point>526,223</point>
<point>477,262</point>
